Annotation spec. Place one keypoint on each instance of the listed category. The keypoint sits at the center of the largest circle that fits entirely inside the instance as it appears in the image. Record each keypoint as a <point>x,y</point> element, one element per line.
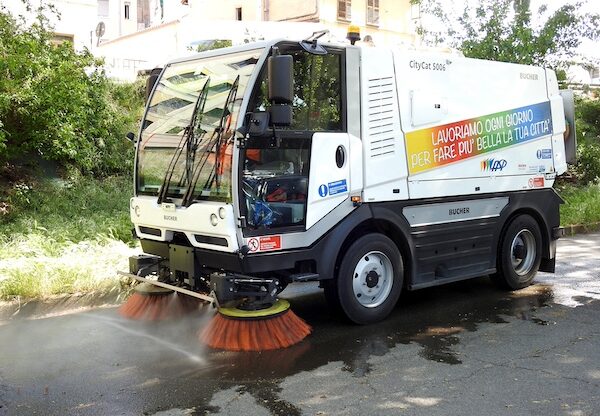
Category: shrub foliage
<point>58,105</point>
<point>587,114</point>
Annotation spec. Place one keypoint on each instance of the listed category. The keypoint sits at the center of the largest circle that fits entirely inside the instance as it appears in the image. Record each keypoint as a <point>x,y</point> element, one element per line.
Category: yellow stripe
<point>278,307</point>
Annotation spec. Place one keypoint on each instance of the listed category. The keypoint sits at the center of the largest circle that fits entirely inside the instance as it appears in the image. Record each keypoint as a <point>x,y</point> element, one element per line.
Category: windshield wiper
<point>216,141</point>
<point>188,141</point>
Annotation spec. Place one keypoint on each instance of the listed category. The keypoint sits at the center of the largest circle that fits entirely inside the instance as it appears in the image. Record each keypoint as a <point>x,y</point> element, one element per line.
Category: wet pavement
<point>465,348</point>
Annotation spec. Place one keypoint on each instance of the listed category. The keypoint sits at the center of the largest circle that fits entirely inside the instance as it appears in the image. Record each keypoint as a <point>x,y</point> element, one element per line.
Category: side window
<point>275,180</point>
<point>317,104</point>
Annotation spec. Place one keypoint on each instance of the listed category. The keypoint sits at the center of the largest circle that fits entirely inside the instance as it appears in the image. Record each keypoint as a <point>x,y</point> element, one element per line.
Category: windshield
<point>167,153</point>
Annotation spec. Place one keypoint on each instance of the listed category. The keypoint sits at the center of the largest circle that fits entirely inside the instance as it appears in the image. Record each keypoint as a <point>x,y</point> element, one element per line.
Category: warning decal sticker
<point>266,243</point>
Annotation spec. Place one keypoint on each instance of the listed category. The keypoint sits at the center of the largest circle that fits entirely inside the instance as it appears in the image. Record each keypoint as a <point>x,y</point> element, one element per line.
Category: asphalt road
<point>465,349</point>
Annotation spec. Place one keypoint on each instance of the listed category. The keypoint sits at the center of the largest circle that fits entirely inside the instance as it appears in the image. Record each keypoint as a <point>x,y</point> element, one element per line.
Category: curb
<point>571,230</point>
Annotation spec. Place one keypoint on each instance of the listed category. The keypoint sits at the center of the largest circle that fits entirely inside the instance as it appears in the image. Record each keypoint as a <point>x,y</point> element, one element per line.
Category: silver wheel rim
<point>372,279</point>
<point>523,252</point>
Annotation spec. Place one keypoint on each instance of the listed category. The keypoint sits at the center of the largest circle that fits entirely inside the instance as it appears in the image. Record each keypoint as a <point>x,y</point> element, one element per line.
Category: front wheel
<point>369,280</point>
<point>520,253</point>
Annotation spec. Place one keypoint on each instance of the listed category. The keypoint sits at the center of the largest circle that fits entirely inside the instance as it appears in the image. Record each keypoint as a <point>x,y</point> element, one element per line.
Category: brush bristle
<point>157,307</point>
<point>269,333</point>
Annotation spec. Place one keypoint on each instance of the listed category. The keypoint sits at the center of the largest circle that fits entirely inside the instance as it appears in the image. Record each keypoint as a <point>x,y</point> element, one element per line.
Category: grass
<point>62,237</point>
<point>582,204</point>
<point>62,211</point>
<point>76,268</point>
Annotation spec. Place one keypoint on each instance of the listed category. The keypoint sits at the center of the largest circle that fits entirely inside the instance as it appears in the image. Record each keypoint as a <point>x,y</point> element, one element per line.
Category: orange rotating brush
<point>153,303</point>
<point>271,328</point>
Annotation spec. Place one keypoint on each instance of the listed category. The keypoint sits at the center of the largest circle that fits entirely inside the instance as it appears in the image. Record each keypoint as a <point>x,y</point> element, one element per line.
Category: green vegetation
<point>209,45</point>
<point>582,204</point>
<point>587,113</point>
<point>61,211</point>
<point>57,104</point>
<point>582,199</point>
<point>65,237</point>
<point>61,117</point>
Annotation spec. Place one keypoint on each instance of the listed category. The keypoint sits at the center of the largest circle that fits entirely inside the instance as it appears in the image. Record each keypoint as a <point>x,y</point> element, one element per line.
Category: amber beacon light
<point>353,34</point>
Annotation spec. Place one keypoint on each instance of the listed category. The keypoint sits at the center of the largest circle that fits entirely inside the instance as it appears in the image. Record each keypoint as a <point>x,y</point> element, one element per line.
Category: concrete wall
<point>142,15</point>
<point>146,49</point>
<point>226,9</point>
<point>292,10</point>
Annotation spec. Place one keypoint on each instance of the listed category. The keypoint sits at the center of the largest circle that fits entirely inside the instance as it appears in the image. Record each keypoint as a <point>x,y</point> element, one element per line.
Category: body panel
<point>328,184</point>
<point>384,158</point>
<point>487,120</point>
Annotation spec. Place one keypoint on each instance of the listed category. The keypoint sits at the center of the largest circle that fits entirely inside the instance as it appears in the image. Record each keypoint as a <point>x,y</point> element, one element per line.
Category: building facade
<point>178,27</point>
<point>124,17</point>
<point>388,21</point>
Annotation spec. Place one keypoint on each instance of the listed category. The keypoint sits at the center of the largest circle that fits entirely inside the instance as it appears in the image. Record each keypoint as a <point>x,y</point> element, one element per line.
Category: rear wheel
<point>520,253</point>
<point>369,280</point>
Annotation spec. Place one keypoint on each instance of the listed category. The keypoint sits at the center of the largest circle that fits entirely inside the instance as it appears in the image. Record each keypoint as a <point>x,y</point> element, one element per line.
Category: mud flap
<point>548,265</point>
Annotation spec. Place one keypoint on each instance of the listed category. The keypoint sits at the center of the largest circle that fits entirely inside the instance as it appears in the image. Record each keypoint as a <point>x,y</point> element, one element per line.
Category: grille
<point>207,239</point>
<point>380,116</point>
<point>150,231</point>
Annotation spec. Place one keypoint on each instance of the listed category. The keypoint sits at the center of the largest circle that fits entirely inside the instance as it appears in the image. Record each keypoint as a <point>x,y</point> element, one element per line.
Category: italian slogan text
<point>437,146</point>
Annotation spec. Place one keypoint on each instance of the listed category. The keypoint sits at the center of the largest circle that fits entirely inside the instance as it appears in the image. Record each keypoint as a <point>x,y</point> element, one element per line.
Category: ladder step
<point>304,277</point>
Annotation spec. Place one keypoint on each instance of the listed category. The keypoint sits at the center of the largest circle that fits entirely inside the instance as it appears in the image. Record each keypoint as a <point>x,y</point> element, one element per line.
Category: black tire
<point>379,282</point>
<point>517,264</point>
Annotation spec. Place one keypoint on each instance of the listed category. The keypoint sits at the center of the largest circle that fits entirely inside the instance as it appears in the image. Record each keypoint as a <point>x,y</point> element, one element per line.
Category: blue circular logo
<point>323,190</point>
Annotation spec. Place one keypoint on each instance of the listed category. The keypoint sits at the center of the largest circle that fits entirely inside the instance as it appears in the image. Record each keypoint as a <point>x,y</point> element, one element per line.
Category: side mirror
<point>131,137</point>
<point>281,78</point>
<point>151,81</point>
<point>281,115</point>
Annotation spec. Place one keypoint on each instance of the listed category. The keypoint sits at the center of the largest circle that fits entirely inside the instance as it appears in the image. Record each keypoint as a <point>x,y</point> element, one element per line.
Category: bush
<point>58,105</point>
<point>59,211</point>
<point>587,114</point>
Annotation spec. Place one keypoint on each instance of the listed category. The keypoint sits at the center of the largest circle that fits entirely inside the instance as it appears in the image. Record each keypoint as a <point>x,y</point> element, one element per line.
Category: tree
<point>213,44</point>
<point>503,30</point>
<point>58,105</point>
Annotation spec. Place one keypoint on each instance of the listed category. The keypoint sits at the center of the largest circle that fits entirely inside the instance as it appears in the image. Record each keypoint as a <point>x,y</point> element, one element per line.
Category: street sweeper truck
<point>371,170</point>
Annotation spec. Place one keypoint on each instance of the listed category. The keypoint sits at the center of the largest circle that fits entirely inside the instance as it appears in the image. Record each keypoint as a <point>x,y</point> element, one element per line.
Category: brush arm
<point>197,295</point>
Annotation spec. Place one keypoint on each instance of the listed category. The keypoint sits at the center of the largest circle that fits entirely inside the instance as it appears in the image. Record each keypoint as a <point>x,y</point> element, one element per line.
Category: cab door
<point>329,182</point>
<point>288,184</point>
